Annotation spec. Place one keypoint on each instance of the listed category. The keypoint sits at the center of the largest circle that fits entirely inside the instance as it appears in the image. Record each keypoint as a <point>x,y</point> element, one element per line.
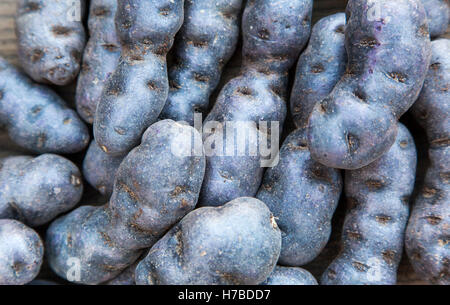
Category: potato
<point>51,39</point>
<point>36,118</point>
<point>92,245</point>
<point>428,231</point>
<point>36,190</point>
<point>389,52</point>
<point>203,47</point>
<point>290,276</point>
<point>100,57</point>
<point>21,253</point>
<point>238,243</point>
<point>135,94</point>
<point>377,213</point>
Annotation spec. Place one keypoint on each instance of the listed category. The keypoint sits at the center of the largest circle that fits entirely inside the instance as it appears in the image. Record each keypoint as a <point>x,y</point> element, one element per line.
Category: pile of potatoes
<point>154,92</point>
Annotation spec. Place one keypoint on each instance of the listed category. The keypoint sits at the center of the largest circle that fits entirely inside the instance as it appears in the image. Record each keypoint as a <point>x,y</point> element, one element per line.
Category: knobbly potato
<point>36,190</point>
<point>238,243</point>
<point>35,117</point>
<point>319,68</point>
<point>377,214</point>
<point>136,92</point>
<point>204,45</point>
<point>389,52</point>
<point>21,253</point>
<point>428,231</point>
<point>100,57</point>
<point>156,184</point>
<point>274,33</point>
<point>51,39</point>
<point>303,195</point>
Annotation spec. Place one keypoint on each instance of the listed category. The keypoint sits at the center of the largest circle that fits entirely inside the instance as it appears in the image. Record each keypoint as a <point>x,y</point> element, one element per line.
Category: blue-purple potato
<point>428,234</point>
<point>438,12</point>
<point>389,51</point>
<point>35,117</point>
<point>100,57</point>
<point>377,213</point>
<point>51,39</point>
<point>156,184</point>
<point>204,45</point>
<point>274,33</point>
<point>319,68</point>
<point>290,276</point>
<point>237,243</point>
<point>302,194</point>
<point>99,169</point>
<point>21,253</point>
<point>135,94</point>
<point>35,190</point>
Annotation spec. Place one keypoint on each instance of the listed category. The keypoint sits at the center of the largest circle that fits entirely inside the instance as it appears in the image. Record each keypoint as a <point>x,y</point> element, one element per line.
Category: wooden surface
<point>8,50</point>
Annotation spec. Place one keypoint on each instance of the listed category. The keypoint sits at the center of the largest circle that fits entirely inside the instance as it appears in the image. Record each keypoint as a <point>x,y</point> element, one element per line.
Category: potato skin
<point>204,45</point>
<point>237,243</point>
<point>274,33</point>
<point>136,92</point>
<point>50,43</point>
<point>145,203</point>
<point>99,169</point>
<point>36,190</point>
<point>21,253</point>
<point>377,214</point>
<point>388,58</point>
<point>319,68</point>
<point>303,195</point>
<point>36,118</point>
<point>290,276</point>
<point>438,12</point>
<point>429,225</point>
<point>100,57</point>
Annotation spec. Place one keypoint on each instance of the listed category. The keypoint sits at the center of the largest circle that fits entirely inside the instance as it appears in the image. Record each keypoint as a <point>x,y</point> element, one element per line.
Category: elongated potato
<point>203,47</point>
<point>51,39</point>
<point>92,245</point>
<point>136,92</point>
<point>428,231</point>
<point>100,57</point>
<point>35,117</point>
<point>389,52</point>
<point>319,68</point>
<point>21,253</point>
<point>238,243</point>
<point>303,195</point>
<point>274,34</point>
<point>378,209</point>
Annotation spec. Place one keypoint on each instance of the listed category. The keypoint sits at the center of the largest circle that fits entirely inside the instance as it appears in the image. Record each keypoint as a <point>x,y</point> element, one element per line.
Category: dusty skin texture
<point>204,45</point>
<point>51,39</point>
<point>319,68</point>
<point>100,57</point>
<point>438,12</point>
<point>377,213</point>
<point>290,276</point>
<point>36,190</point>
<point>99,169</point>
<point>389,51</point>
<point>303,195</point>
<point>145,203</point>
<point>35,117</point>
<point>274,33</point>
<point>237,243</point>
<point>428,231</point>
<point>136,92</point>
<point>21,253</point>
